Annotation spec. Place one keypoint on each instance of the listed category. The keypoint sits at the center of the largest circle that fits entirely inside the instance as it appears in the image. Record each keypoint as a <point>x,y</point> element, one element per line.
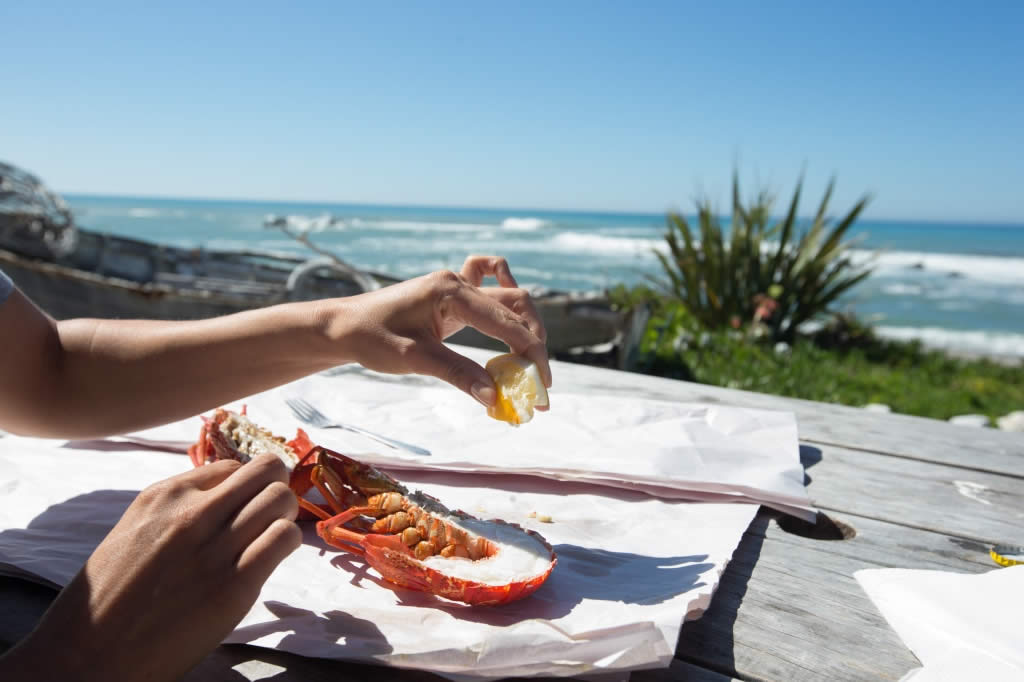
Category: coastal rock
<point>878,407</point>
<point>1012,422</point>
<point>969,420</point>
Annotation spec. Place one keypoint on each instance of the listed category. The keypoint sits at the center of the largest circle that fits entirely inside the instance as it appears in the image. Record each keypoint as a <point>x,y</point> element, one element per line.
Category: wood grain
<point>919,494</point>
<point>788,607</point>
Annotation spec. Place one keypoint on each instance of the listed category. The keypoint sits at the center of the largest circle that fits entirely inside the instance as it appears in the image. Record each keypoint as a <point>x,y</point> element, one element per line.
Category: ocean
<point>958,286</point>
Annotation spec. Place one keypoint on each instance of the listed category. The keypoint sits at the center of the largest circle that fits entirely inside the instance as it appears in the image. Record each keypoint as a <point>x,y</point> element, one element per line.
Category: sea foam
<point>595,243</point>
<point>416,226</point>
<point>144,213</point>
<point>523,224</point>
<point>971,341</point>
<point>995,269</point>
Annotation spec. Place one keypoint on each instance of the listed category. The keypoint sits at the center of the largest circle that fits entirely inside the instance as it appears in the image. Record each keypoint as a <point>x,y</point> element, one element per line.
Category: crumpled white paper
<point>960,626</point>
<point>630,568</point>
<point>670,450</point>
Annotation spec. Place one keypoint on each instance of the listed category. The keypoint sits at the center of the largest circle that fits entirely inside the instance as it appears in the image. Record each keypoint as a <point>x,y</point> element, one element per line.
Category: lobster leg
<point>331,528</point>
<point>197,452</point>
<point>339,493</point>
<point>314,509</point>
<point>338,536</point>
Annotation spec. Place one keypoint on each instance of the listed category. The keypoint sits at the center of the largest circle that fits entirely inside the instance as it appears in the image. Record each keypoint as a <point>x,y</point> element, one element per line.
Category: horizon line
<point>614,212</point>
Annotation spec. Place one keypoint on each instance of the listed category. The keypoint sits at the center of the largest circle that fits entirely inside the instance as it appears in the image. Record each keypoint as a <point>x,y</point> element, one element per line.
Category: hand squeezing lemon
<point>519,386</point>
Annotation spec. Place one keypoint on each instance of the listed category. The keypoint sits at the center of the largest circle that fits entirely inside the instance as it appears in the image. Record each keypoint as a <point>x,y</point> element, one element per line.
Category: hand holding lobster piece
<point>411,539</point>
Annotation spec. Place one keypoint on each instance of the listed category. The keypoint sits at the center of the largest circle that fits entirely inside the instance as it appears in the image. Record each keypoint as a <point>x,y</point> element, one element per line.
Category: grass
<point>842,363</point>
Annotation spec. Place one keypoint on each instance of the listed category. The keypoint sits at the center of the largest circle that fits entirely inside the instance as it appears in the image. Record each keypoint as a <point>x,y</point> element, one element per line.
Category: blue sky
<point>537,105</point>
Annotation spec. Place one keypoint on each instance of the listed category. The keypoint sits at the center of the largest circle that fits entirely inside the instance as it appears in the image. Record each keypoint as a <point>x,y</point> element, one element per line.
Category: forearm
<point>114,376</point>
<point>90,378</point>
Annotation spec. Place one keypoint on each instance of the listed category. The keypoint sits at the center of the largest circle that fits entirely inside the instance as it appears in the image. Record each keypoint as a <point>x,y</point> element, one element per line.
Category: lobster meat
<point>410,538</point>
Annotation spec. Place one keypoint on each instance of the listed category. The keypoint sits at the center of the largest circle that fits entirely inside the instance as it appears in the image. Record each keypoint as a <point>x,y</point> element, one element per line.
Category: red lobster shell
<point>411,539</point>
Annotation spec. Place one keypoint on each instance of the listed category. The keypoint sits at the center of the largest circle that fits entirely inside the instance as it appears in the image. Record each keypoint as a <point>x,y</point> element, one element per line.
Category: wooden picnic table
<point>894,491</point>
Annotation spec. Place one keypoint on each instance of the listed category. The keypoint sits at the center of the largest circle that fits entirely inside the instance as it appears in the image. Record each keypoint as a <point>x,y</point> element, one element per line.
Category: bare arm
<point>89,378</point>
<point>84,378</point>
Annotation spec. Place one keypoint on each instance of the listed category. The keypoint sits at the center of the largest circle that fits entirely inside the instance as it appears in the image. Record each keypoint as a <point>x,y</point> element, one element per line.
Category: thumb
<point>461,372</point>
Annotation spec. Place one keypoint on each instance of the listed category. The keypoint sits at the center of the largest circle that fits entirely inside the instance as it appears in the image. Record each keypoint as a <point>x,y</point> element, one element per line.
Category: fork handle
<point>396,444</point>
<point>380,439</point>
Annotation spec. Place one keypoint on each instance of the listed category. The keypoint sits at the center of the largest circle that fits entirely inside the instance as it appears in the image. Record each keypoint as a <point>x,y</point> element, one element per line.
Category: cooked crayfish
<point>411,539</point>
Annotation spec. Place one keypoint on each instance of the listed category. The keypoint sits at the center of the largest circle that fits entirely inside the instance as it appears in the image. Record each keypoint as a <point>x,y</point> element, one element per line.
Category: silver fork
<point>314,417</point>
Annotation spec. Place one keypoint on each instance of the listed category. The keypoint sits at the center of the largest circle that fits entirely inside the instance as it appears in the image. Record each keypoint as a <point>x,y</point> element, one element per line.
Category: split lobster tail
<point>411,539</point>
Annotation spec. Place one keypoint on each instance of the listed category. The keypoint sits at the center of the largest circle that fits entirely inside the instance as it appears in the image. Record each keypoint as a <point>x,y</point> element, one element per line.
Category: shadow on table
<point>709,640</point>
<point>809,456</point>
<point>331,631</point>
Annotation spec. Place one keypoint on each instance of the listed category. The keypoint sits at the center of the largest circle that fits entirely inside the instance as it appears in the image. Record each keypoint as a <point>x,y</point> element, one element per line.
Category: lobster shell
<point>356,492</point>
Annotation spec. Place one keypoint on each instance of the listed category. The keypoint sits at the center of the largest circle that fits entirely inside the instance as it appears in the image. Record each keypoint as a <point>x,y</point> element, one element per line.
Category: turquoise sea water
<point>954,285</point>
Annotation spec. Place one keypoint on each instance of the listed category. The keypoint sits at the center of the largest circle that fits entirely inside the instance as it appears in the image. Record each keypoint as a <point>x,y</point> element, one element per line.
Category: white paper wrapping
<point>612,474</point>
<point>960,626</point>
<point>671,450</point>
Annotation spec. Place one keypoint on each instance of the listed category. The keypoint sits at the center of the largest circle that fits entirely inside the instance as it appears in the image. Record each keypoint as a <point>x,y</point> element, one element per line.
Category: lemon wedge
<point>519,386</point>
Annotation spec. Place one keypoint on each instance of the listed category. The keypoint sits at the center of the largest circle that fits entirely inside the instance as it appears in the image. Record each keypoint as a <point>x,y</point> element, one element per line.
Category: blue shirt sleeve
<point>6,287</point>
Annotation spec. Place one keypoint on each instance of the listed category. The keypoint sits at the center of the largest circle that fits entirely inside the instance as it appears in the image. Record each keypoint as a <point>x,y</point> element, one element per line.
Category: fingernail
<point>484,394</point>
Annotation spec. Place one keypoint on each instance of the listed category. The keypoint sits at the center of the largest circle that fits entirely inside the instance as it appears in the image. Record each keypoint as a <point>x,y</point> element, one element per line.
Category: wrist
<point>332,328</point>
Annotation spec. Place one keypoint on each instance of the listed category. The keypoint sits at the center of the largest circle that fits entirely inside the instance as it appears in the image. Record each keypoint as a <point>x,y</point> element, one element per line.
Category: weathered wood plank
<point>929,440</point>
<point>788,607</point>
<point>969,504</point>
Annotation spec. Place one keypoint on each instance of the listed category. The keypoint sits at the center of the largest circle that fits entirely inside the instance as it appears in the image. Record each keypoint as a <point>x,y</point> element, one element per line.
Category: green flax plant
<point>758,270</point>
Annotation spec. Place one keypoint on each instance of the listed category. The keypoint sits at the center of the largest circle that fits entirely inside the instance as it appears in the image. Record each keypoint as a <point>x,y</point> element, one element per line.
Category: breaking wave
<point>901,289</point>
<point>995,269</point>
<point>595,243</point>
<point>971,341</point>
<point>523,224</point>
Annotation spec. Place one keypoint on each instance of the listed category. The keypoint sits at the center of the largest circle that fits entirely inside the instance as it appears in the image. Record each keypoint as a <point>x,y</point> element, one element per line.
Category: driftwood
<point>367,281</point>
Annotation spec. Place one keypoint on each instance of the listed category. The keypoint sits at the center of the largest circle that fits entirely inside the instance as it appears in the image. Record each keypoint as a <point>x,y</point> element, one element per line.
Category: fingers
<point>473,307</point>
<point>246,483</point>
<point>519,301</point>
<point>209,475</point>
<point>261,557</point>
<point>477,267</point>
<point>274,502</point>
<point>459,371</point>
